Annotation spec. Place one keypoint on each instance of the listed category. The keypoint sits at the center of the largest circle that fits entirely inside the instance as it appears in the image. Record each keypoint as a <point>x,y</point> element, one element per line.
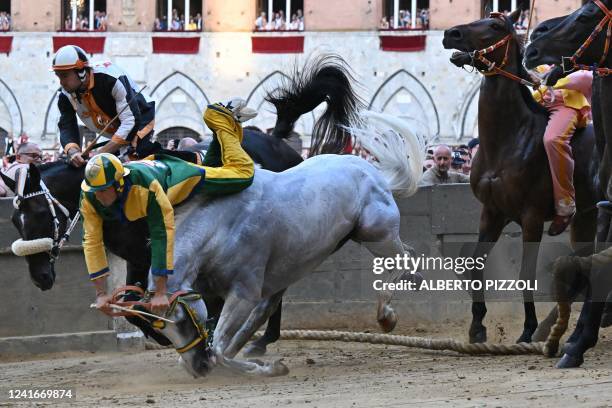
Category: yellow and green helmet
<point>102,171</point>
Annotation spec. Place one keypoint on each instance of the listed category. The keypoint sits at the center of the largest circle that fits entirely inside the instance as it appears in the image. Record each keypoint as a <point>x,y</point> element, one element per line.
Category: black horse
<point>510,173</point>
<point>559,42</point>
<point>322,80</point>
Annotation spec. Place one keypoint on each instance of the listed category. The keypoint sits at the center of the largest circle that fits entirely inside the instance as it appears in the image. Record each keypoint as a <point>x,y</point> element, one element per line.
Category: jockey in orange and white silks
<point>96,93</point>
<point>569,104</point>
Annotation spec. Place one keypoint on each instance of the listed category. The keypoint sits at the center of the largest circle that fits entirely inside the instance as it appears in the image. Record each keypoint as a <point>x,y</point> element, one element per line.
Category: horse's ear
<point>515,15</point>
<point>487,10</point>
<point>34,176</point>
<point>10,183</point>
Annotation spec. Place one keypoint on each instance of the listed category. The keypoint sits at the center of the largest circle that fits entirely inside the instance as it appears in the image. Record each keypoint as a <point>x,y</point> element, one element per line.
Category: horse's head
<point>189,334</point>
<point>492,37</point>
<point>40,220</point>
<point>559,39</point>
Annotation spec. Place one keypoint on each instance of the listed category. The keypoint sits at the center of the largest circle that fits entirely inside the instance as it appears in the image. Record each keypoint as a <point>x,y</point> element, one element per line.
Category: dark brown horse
<point>563,39</point>
<point>510,173</point>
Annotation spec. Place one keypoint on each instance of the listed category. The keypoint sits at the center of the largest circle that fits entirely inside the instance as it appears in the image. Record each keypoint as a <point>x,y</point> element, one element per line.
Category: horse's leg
<point>386,316</point>
<point>239,320</point>
<point>604,237</point>
<point>491,226</point>
<point>272,334</point>
<point>532,227</point>
<point>583,230</point>
<point>587,330</point>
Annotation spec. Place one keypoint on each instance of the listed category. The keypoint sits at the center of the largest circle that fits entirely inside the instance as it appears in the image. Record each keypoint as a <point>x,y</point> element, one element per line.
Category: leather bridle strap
<point>569,64</point>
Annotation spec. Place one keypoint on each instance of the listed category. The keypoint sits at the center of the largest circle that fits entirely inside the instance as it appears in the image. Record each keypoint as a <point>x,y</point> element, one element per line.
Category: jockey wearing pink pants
<point>570,108</point>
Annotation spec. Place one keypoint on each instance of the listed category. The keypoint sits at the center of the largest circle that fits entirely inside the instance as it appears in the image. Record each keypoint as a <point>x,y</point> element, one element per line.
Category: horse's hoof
<point>606,320</point>
<point>478,334</point>
<point>568,361</point>
<point>254,350</point>
<point>389,321</point>
<point>277,368</point>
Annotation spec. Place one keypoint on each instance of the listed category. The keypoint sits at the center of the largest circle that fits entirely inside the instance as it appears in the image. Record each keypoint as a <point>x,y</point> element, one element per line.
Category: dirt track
<point>327,375</point>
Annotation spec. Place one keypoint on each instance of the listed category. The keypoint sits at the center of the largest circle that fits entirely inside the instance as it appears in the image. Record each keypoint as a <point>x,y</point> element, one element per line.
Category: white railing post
<point>496,6</point>
<point>270,13</point>
<point>91,15</point>
<point>74,14</point>
<point>395,13</point>
<point>288,13</point>
<point>414,13</point>
<point>169,15</point>
<point>186,13</point>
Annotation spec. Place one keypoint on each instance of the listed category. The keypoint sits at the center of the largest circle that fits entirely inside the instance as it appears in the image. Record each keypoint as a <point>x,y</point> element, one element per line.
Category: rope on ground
<point>417,342</point>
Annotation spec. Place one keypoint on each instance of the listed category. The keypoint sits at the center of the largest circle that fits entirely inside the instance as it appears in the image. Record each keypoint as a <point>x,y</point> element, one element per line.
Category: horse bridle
<point>569,64</point>
<point>492,67</point>
<point>52,202</point>
<point>180,297</point>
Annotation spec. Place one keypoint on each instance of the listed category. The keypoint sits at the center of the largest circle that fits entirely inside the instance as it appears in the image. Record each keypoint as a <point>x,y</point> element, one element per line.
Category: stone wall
<point>437,221</point>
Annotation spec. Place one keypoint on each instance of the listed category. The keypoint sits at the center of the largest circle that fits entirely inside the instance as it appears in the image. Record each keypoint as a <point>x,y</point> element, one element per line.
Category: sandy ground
<point>326,374</point>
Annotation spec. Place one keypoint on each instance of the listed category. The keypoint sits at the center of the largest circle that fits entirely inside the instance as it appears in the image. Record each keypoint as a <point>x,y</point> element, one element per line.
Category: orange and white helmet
<point>70,57</point>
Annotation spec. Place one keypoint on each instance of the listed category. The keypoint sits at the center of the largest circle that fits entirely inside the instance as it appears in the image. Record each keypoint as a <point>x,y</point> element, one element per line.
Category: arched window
<point>83,15</point>
<point>280,15</point>
<point>178,15</point>
<point>176,133</point>
<point>405,14</point>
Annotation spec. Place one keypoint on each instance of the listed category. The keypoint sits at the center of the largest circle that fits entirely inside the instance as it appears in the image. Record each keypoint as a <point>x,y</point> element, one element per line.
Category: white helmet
<point>70,57</point>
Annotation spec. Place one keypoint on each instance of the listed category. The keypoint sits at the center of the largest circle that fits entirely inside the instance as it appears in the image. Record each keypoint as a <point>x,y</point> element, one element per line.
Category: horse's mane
<point>531,103</point>
<point>51,165</point>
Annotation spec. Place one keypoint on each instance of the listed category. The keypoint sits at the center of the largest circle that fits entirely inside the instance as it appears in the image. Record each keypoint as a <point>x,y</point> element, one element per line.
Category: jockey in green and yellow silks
<point>150,188</point>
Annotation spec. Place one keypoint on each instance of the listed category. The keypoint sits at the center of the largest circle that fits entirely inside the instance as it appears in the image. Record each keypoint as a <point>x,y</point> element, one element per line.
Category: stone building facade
<point>420,84</point>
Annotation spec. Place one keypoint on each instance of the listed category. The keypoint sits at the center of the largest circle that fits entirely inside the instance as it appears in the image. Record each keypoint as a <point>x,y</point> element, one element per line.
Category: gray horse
<point>249,247</point>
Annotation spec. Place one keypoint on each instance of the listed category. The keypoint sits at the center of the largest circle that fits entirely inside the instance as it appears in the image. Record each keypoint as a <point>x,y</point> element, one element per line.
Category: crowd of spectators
<point>278,22</point>
<point>404,21</point>
<point>444,164</point>
<point>18,153</point>
<point>82,22</point>
<point>177,23</point>
<point>5,21</point>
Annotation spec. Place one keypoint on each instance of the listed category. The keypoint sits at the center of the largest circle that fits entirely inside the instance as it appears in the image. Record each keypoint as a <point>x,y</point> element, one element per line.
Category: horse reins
<point>492,67</point>
<point>569,64</point>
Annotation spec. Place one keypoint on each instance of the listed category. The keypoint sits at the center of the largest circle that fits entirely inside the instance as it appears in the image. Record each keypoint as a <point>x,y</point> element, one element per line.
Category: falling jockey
<point>150,188</point>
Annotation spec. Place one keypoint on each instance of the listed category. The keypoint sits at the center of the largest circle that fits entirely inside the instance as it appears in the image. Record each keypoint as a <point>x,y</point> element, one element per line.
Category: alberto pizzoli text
<point>456,284</point>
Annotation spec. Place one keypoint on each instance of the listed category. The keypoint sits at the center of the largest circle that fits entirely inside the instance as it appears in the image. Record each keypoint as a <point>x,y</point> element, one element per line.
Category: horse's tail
<point>395,149</point>
<point>324,79</point>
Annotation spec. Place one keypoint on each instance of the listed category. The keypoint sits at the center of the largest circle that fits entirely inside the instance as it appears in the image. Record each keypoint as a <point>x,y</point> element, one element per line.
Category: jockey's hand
<point>76,158</point>
<point>103,304</point>
<point>159,303</point>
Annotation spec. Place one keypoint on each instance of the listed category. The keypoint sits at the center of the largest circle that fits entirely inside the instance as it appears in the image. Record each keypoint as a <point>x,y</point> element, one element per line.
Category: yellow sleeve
<point>160,217</point>
<point>93,245</point>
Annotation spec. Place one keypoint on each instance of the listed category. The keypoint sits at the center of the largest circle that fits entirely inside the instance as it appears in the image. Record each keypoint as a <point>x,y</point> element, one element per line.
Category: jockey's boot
<point>559,224</point>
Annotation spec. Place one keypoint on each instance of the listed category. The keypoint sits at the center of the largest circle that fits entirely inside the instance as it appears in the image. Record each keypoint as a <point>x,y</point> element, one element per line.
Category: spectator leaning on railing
<point>278,22</point>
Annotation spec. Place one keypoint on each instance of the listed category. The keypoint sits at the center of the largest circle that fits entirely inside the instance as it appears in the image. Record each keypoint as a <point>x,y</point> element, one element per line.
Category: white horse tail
<point>393,148</point>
